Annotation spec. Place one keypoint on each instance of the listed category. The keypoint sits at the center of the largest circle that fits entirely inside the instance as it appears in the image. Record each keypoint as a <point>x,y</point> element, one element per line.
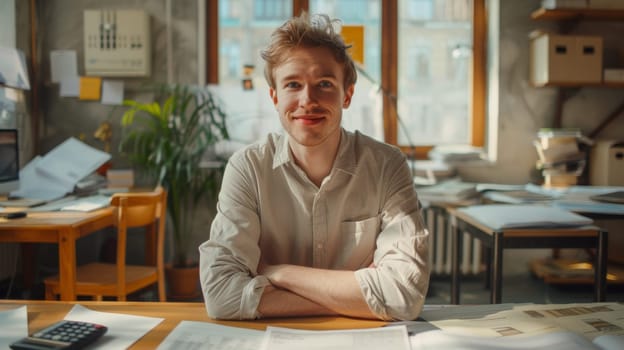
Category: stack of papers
<point>611,197</point>
<point>57,173</point>
<point>525,326</point>
<point>455,153</point>
<point>447,191</point>
<point>524,216</point>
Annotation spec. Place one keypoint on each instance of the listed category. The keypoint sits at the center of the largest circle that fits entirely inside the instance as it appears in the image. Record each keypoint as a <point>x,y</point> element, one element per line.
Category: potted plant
<point>167,142</point>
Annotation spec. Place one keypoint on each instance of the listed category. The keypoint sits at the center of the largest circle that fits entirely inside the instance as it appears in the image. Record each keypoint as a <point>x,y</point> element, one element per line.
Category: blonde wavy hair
<point>307,31</point>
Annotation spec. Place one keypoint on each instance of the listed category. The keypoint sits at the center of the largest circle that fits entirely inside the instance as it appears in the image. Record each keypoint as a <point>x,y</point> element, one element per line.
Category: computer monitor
<point>9,161</point>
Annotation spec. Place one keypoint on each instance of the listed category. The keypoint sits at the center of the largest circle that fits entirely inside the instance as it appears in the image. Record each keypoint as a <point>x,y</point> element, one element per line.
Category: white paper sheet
<point>34,185</point>
<point>70,86</point>
<point>387,338</point>
<point>437,340</point>
<point>204,335</point>
<point>71,161</point>
<point>123,330</point>
<point>610,342</point>
<point>13,68</point>
<point>112,92</point>
<point>62,65</point>
<point>13,326</point>
<point>524,216</point>
<point>589,320</point>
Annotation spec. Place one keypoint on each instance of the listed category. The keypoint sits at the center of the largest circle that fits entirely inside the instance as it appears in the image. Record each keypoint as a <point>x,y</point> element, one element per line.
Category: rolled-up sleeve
<point>229,259</point>
<point>395,288</point>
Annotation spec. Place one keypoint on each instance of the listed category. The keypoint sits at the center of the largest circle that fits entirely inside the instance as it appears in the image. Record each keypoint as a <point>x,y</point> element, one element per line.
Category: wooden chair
<point>134,209</point>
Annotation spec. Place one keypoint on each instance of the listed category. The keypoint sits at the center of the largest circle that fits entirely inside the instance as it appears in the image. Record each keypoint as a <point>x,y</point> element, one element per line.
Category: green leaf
<point>166,143</point>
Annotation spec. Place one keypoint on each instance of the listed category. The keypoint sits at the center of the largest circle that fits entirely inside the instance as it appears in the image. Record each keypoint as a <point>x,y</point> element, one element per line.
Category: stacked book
<point>562,159</point>
<point>448,191</point>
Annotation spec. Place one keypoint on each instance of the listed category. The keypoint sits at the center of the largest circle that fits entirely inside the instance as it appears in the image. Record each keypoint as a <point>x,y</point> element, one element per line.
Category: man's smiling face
<point>309,95</point>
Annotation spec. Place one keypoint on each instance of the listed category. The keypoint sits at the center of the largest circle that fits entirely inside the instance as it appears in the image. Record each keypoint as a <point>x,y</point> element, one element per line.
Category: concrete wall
<point>522,109</point>
<point>60,26</point>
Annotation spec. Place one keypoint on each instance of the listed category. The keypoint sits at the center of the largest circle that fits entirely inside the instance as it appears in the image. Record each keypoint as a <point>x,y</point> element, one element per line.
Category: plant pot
<point>182,282</point>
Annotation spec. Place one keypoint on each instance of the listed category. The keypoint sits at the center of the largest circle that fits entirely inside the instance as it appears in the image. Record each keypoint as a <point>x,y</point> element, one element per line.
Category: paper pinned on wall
<point>70,87</point>
<point>90,88</point>
<point>62,65</point>
<point>354,37</point>
<point>112,92</point>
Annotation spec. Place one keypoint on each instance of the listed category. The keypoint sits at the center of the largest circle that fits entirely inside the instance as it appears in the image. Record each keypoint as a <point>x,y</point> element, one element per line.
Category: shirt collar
<point>282,150</point>
<point>345,160</point>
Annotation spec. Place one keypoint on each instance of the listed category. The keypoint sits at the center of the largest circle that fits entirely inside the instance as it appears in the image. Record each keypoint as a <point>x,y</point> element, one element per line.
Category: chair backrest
<point>140,209</point>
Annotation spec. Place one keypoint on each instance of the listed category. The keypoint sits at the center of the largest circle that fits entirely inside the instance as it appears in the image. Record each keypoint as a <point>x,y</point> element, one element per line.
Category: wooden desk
<point>62,228</point>
<point>498,239</point>
<point>44,313</point>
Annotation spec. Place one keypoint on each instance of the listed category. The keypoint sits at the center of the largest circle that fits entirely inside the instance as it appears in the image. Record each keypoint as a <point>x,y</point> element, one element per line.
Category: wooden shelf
<point>578,14</point>
<point>564,271</point>
<point>571,16</point>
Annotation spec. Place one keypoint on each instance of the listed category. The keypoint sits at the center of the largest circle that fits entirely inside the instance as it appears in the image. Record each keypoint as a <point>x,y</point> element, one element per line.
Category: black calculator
<point>62,335</point>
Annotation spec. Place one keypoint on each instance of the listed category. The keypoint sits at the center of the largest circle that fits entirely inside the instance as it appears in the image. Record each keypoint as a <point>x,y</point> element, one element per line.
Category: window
<point>433,94</point>
<point>436,45</point>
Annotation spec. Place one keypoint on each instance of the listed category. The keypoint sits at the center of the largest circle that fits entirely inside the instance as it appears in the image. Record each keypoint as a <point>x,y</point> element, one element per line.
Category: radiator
<point>440,247</point>
<point>8,259</point>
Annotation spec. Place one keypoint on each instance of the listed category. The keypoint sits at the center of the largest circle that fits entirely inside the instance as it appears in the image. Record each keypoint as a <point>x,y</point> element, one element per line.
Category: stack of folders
<point>504,216</point>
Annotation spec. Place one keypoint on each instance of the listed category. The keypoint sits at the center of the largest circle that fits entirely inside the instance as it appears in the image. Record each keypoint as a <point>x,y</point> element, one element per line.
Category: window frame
<point>389,63</point>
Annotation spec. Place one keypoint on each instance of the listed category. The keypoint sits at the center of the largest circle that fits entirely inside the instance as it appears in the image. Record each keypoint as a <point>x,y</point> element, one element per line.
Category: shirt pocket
<point>358,242</point>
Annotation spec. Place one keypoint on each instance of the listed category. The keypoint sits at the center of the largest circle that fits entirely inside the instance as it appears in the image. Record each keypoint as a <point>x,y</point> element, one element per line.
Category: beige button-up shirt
<point>364,217</point>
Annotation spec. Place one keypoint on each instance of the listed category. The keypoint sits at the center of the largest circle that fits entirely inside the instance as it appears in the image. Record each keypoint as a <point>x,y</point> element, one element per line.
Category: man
<point>318,221</point>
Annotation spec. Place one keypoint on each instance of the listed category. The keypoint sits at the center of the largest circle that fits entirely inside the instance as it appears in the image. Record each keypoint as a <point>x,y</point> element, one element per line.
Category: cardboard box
<point>120,178</point>
<point>607,163</point>
<point>555,59</point>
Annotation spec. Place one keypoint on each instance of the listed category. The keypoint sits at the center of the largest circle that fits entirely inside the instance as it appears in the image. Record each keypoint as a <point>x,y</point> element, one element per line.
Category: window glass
<point>245,27</point>
<point>435,54</point>
<point>365,112</point>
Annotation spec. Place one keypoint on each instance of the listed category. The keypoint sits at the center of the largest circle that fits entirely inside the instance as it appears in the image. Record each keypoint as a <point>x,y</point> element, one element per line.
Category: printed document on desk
<point>387,338</point>
<point>14,326</point>
<point>123,330</point>
<point>589,320</point>
<point>205,335</point>
<point>562,340</point>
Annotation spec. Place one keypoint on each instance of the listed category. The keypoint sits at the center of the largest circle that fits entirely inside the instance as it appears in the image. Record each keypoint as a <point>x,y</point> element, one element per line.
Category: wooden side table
<point>537,237</point>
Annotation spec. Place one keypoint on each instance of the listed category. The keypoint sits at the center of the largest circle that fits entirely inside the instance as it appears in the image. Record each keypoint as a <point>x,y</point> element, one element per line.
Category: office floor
<point>520,288</point>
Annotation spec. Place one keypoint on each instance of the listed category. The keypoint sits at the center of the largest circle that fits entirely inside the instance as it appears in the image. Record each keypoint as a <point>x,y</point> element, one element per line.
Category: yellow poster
<point>354,37</point>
